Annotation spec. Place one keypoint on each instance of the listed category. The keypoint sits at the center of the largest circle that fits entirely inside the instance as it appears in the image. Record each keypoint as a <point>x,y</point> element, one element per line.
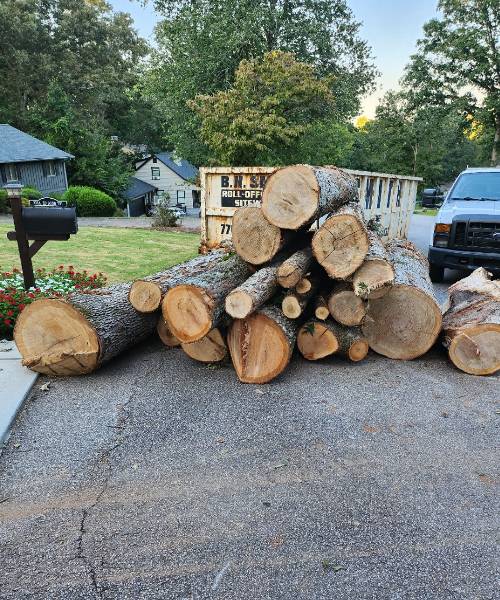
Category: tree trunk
<point>254,238</point>
<point>253,293</point>
<point>321,311</point>
<point>375,276</point>
<point>471,324</point>
<point>352,343</point>
<point>316,340</point>
<point>195,307</point>
<point>79,334</point>
<point>496,142</point>
<point>341,244</point>
<point>145,294</point>
<point>292,270</point>
<point>295,196</point>
<point>165,335</point>
<point>405,322</point>
<point>344,306</point>
<point>261,345</point>
<point>210,349</point>
<point>293,303</point>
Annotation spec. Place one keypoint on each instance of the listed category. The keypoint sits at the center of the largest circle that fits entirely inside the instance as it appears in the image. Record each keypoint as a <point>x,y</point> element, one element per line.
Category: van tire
<point>436,273</point>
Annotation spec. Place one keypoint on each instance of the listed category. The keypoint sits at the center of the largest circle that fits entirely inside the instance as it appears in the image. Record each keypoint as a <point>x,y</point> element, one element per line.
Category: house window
<point>51,168</point>
<point>155,160</point>
<point>12,173</point>
<point>155,172</point>
<point>181,196</point>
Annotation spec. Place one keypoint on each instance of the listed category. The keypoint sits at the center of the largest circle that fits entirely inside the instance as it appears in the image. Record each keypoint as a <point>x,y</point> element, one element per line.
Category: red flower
<point>10,313</point>
<point>7,322</point>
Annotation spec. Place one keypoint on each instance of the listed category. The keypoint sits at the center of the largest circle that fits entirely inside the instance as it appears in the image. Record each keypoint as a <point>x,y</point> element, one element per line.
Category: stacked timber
<point>335,290</point>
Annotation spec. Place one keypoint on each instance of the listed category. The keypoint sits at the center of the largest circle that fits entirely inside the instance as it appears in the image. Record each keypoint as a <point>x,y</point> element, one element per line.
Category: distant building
<point>30,161</point>
<point>139,195</point>
<point>171,176</point>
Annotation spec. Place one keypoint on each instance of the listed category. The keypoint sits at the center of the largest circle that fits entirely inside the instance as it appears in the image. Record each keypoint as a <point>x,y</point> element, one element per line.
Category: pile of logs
<point>335,289</point>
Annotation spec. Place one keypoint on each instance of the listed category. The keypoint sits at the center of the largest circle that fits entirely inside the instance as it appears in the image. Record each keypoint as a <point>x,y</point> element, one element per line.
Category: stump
<point>344,306</point>
<point>295,196</point>
<point>261,345</point>
<point>406,321</point>
<point>471,324</point>
<point>210,349</point>
<point>375,276</point>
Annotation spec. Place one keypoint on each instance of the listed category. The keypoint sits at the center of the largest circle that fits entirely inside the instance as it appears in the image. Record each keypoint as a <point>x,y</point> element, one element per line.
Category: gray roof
<point>17,146</point>
<point>183,168</point>
<point>137,188</point>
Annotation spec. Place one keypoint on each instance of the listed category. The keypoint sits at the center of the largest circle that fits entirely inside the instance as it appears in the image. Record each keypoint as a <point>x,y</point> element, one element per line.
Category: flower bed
<point>48,284</point>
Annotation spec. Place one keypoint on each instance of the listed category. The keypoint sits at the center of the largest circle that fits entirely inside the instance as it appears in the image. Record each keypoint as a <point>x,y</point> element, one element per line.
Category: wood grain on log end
<point>373,279</point>
<point>358,350</point>
<point>239,304</point>
<point>255,240</point>
<point>347,308</point>
<point>315,341</point>
<point>165,335</point>
<point>210,349</point>
<point>187,310</point>
<point>476,349</point>
<point>145,296</point>
<point>55,339</point>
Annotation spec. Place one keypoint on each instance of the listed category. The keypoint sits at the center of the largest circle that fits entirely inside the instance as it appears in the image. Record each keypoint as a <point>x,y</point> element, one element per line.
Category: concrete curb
<point>16,382</point>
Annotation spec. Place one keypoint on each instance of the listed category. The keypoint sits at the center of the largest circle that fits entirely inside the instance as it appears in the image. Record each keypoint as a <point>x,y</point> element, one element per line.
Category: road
<point>160,478</point>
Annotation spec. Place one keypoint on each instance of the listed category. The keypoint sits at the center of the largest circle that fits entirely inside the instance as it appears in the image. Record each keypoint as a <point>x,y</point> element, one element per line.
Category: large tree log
<point>352,343</point>
<point>77,335</point>
<point>254,238</point>
<point>261,345</point>
<point>341,243</point>
<point>295,196</point>
<point>253,293</point>
<point>210,349</point>
<point>195,307</point>
<point>471,324</point>
<point>292,270</point>
<point>344,306</point>
<point>294,304</point>
<point>406,321</point>
<point>165,335</point>
<point>145,294</point>
<point>375,276</point>
<point>316,340</point>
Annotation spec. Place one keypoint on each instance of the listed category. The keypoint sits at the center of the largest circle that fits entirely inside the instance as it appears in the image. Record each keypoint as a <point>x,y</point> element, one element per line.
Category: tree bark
<point>256,240</point>
<point>262,344</point>
<point>375,276</point>
<point>341,244</point>
<point>253,293</point>
<point>165,335</point>
<point>145,294</point>
<point>292,270</point>
<point>295,196</point>
<point>344,306</point>
<point>471,324</point>
<point>352,343</point>
<point>210,349</point>
<point>77,335</point>
<point>195,307</point>
<point>405,322</point>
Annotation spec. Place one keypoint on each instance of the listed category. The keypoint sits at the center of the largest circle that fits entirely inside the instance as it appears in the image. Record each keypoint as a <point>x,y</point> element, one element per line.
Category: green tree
<point>459,58</point>
<point>200,45</point>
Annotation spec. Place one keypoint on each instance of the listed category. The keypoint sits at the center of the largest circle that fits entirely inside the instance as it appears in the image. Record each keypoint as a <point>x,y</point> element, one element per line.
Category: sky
<point>391,28</point>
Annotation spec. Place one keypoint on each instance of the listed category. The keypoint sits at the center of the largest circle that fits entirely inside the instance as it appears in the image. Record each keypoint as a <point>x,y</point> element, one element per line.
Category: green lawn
<point>430,212</point>
<point>122,254</point>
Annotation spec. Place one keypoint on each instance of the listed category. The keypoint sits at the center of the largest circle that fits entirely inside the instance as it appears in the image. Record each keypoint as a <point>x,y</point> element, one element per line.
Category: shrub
<point>55,283</point>
<point>31,193</point>
<point>4,202</point>
<point>164,216</point>
<point>90,202</point>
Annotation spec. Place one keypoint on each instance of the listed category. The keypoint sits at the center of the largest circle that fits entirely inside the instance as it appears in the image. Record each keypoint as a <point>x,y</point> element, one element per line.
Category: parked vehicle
<point>432,197</point>
<point>467,230</point>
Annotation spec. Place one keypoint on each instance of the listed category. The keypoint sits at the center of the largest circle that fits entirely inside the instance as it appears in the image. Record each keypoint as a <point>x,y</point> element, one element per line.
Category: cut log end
<point>239,304</point>
<point>358,350</point>
<point>315,341</point>
<point>259,348</point>
<point>56,339</point>
<point>476,350</point>
<point>321,311</point>
<point>186,309</point>
<point>291,307</point>
<point>347,308</point>
<point>373,279</point>
<point>165,335</point>
<point>255,239</point>
<point>404,324</point>
<point>210,349</point>
<point>303,286</point>
<point>145,296</point>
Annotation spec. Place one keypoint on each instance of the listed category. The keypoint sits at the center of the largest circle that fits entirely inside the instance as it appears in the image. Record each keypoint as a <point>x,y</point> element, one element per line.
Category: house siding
<point>32,175</point>
<point>169,182</point>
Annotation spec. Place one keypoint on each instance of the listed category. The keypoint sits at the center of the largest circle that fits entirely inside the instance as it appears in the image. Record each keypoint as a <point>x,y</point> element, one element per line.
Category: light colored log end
<point>255,240</point>
<point>187,311</point>
<point>165,335</point>
<point>347,308</point>
<point>210,349</point>
<point>303,286</point>
<point>239,304</point>
<point>291,307</point>
<point>56,339</point>
<point>358,350</point>
<point>145,296</point>
<point>373,279</point>
<point>476,349</point>
<point>315,341</point>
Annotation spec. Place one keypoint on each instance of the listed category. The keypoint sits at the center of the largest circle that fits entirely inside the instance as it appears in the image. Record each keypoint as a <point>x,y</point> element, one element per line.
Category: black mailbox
<point>47,217</point>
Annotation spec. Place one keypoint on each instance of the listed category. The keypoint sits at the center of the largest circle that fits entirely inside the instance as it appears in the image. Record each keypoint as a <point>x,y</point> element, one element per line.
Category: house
<point>30,161</point>
<point>171,176</point>
<point>139,195</point>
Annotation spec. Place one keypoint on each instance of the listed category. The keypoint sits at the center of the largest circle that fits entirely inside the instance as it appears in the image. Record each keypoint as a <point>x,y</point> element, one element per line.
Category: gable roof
<point>180,167</point>
<point>17,146</point>
<point>137,188</point>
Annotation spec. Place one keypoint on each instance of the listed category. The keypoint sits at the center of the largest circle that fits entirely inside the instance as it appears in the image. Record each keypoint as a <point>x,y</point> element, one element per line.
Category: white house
<point>171,176</point>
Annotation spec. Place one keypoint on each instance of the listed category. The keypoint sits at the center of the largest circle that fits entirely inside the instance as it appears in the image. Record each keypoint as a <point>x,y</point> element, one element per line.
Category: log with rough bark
<point>253,293</point>
<point>375,276</point>
<point>145,294</point>
<point>341,244</point>
<point>210,349</point>
<point>316,340</point>
<point>292,270</point>
<point>352,343</point>
<point>295,196</point>
<point>406,321</point>
<point>294,304</point>
<point>344,306</point>
<point>471,324</point>
<point>196,306</point>
<point>255,239</point>
<point>262,344</point>
<point>78,334</point>
<point>165,335</point>
<point>321,311</point>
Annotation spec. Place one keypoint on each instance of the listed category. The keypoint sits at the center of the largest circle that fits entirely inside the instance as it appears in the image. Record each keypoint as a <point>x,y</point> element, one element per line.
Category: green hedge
<point>90,202</point>
<point>31,193</point>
